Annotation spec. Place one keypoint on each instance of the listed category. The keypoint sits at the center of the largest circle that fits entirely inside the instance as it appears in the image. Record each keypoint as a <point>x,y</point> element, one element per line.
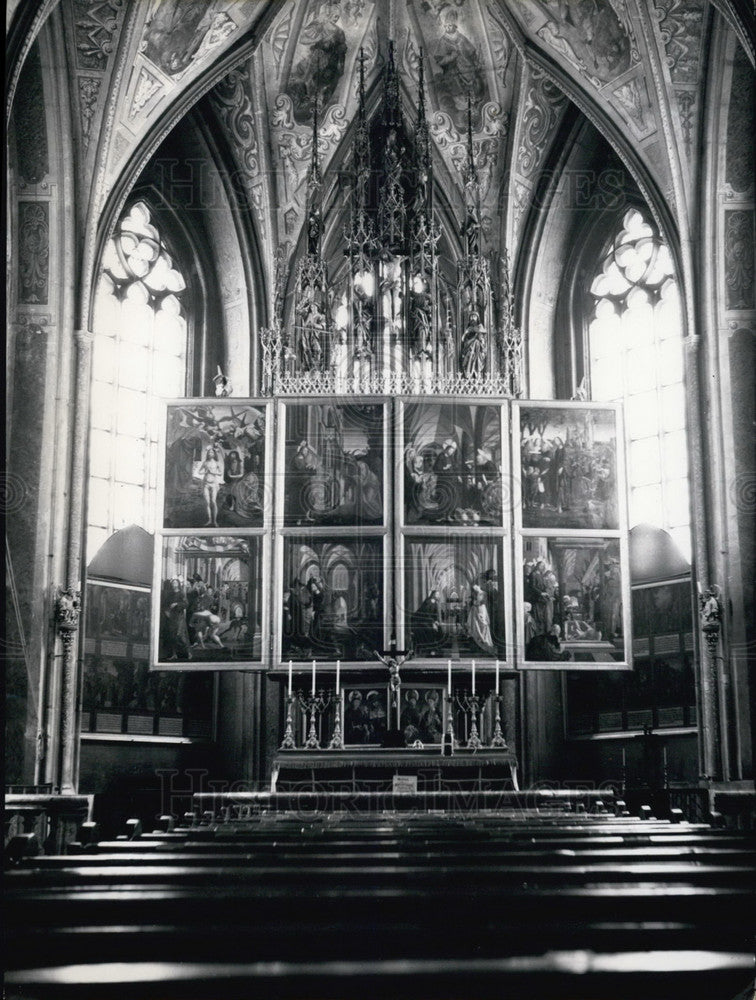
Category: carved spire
<point>472,191</point>
<point>312,310</point>
<point>392,210</point>
<point>474,281</point>
<point>423,199</point>
<point>424,235</point>
<point>314,193</point>
<point>392,107</point>
<point>510,337</point>
<point>361,243</point>
<point>360,238</point>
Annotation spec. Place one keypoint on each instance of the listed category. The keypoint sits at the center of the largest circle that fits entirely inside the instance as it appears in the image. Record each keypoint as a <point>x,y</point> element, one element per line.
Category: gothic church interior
<point>380,408</point>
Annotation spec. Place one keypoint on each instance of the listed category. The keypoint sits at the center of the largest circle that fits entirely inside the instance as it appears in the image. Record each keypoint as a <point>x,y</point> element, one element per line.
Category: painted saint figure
<point>478,621</point>
<point>461,74</point>
<point>426,624</point>
<point>316,75</point>
<point>211,474</point>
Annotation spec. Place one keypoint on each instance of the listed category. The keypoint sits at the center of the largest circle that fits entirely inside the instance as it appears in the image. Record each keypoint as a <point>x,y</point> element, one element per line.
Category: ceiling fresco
<point>635,67</point>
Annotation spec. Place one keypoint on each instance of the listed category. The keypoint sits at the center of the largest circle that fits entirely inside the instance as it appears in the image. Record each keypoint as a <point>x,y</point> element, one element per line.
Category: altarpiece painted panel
<point>333,463</point>
<point>212,604</point>
<point>215,464</point>
<point>452,454</point>
<point>332,598</point>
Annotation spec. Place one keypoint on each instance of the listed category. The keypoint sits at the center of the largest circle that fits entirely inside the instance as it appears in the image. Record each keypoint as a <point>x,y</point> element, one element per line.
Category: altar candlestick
<point>473,676</point>
<point>448,663</point>
<point>497,677</point>
<point>313,678</point>
<point>290,678</point>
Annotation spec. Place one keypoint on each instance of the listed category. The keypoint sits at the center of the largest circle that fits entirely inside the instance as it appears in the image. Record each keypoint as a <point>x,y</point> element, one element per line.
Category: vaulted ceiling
<point>635,68</point>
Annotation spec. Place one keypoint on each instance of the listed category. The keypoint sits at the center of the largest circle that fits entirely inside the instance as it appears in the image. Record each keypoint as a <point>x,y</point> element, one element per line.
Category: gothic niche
<point>396,325</point>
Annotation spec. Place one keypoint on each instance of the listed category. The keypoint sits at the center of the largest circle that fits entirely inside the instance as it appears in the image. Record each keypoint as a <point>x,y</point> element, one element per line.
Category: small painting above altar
<point>568,466</point>
<point>334,464</point>
<point>574,599</point>
<point>452,464</point>
<point>333,605</point>
<point>207,603</point>
<point>421,714</point>
<point>454,600</point>
<point>215,465</point>
<point>366,709</point>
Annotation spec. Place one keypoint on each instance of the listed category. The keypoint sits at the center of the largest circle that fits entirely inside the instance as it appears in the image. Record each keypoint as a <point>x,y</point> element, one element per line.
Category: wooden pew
<point>423,906</point>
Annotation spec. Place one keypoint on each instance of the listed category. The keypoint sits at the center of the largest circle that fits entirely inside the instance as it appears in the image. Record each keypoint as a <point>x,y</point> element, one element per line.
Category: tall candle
<point>448,663</point>
<point>497,676</point>
<point>473,676</point>
<point>313,678</point>
<point>338,672</point>
<point>290,678</point>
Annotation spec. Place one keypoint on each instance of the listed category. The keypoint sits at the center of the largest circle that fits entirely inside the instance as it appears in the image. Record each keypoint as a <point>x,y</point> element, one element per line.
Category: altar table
<point>434,771</point>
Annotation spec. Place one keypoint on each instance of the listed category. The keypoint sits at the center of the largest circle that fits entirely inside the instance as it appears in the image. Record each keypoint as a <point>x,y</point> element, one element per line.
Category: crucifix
<point>394,658</point>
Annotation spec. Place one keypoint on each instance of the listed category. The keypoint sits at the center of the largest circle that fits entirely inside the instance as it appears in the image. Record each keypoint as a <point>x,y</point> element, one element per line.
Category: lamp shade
<point>654,557</point>
<point>126,557</point>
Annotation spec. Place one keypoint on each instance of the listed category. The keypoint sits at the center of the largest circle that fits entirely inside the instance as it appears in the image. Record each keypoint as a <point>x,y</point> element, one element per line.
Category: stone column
<point>710,611</point>
<point>68,602</point>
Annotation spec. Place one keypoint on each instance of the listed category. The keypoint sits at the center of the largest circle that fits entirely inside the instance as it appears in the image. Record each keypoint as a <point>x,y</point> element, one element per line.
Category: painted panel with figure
<point>208,607</point>
<point>421,713</point>
<point>568,466</point>
<point>334,464</point>
<point>452,464</point>
<point>456,64</point>
<point>180,32</point>
<point>573,593</point>
<point>332,601</point>
<point>366,709</point>
<point>454,601</point>
<point>215,465</point>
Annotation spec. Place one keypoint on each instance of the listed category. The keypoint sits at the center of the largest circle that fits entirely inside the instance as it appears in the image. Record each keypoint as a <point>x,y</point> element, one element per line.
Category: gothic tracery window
<point>139,357</point>
<point>635,350</point>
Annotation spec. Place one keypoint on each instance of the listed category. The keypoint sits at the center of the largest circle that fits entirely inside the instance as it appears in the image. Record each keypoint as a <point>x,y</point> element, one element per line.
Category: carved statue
<point>473,348</point>
<point>711,609</point>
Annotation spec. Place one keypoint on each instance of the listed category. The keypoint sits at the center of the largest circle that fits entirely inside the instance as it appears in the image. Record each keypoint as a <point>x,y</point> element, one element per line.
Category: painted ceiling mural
<point>635,62</point>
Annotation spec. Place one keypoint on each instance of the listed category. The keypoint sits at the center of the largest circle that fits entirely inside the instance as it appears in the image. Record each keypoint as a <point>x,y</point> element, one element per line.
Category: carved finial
<point>711,615</point>
<point>581,391</point>
<point>67,613</point>
<point>361,61</point>
<point>314,208</point>
<point>392,109</point>
<point>710,606</point>
<point>472,173</point>
<point>421,89</point>
<point>223,385</point>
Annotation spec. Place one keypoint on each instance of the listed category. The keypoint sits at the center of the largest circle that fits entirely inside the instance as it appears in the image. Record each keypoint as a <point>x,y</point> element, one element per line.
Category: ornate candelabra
<point>498,740</point>
<point>470,703</point>
<point>337,740</point>
<point>288,742</point>
<point>313,705</point>
<point>450,721</point>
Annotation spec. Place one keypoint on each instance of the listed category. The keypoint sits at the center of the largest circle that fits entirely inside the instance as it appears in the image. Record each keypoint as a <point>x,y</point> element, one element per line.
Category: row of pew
<point>537,901</point>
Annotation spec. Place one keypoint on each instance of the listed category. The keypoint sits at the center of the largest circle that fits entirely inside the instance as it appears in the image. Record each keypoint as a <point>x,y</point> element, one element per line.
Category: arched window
<point>139,357</point>
<point>635,351</point>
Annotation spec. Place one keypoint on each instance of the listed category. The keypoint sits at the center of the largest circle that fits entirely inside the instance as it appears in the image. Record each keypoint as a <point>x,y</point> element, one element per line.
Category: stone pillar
<point>68,602</point>
<point>709,743</point>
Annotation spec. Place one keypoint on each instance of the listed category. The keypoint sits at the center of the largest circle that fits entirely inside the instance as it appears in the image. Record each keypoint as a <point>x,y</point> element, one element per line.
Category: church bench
<point>283,937</point>
<point>54,819</point>
<point>274,919</point>
<point>682,841</point>
<point>582,975</point>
